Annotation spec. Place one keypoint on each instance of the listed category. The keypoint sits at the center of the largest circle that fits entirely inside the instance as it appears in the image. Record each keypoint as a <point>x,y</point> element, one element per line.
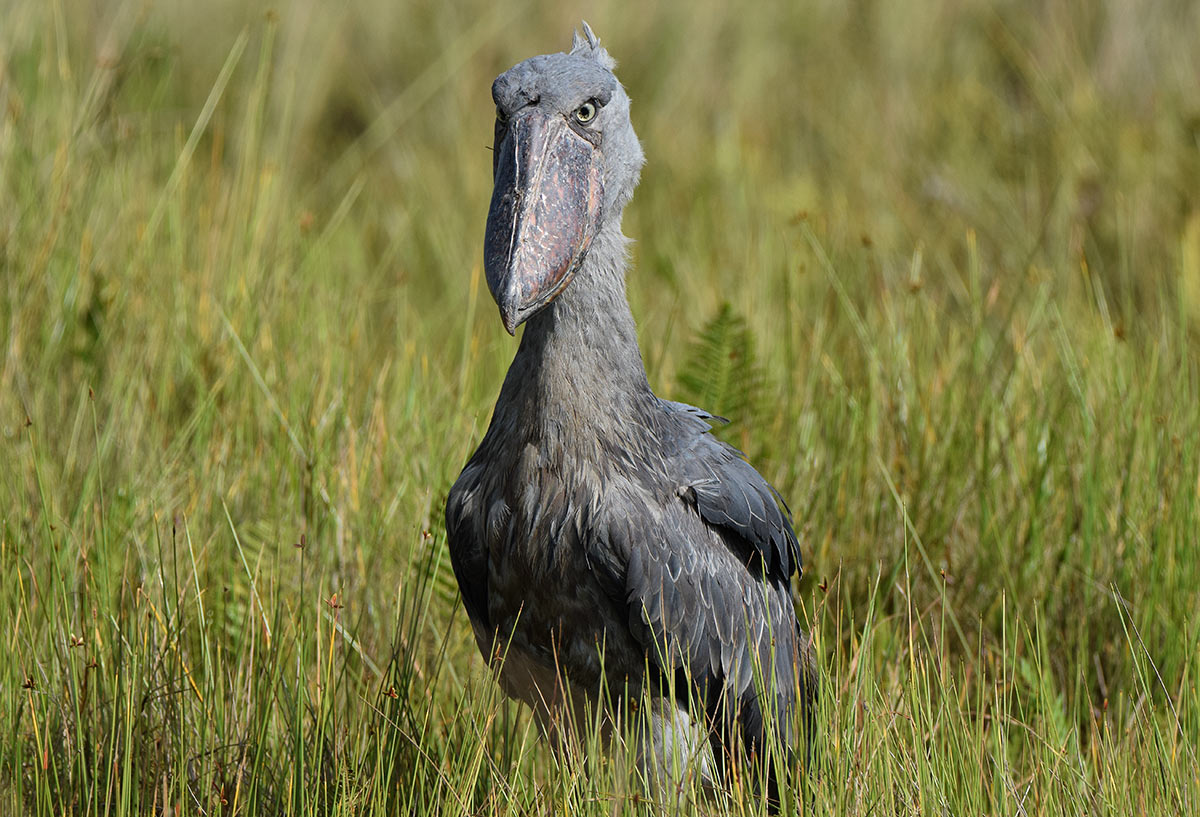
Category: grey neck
<point>579,371</point>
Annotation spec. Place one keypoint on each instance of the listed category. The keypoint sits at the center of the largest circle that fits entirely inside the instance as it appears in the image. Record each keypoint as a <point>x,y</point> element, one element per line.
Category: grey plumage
<point>599,530</point>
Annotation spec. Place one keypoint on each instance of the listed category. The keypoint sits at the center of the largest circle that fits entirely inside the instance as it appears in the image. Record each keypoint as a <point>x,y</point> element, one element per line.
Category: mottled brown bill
<point>545,211</point>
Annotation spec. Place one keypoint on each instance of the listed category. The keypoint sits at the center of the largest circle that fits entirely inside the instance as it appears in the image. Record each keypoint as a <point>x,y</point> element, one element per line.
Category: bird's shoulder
<point>714,479</point>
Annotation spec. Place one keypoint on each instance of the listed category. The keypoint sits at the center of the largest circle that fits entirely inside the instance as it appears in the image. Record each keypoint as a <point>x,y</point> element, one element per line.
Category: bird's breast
<point>547,603</point>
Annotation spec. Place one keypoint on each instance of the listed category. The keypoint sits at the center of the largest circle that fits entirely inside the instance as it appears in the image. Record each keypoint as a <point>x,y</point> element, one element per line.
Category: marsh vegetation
<point>939,262</point>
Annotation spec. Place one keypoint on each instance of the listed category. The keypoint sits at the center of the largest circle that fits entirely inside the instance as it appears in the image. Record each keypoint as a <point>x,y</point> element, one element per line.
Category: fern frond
<point>722,373</point>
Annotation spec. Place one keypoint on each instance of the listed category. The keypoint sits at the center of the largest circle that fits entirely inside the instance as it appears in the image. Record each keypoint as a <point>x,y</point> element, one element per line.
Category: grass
<point>247,348</point>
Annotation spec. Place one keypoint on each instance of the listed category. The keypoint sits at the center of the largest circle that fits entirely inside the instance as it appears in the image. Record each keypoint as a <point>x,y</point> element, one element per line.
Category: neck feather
<point>579,367</point>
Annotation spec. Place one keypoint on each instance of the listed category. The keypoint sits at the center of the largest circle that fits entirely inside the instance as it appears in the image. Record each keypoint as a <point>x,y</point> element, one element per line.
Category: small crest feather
<point>588,45</point>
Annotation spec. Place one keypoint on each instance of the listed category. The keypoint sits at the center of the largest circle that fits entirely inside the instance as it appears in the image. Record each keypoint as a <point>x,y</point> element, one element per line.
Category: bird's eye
<point>586,112</point>
<point>500,117</point>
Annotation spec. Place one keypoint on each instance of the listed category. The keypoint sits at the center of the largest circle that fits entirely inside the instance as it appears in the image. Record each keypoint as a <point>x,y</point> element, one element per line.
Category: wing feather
<point>466,536</point>
<point>707,580</point>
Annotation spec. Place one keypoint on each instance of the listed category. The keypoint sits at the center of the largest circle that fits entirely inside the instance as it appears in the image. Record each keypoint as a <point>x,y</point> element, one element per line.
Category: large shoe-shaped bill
<point>544,214</point>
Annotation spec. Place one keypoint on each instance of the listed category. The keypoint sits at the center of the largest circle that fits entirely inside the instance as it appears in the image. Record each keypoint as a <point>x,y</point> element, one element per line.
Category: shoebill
<point>608,548</point>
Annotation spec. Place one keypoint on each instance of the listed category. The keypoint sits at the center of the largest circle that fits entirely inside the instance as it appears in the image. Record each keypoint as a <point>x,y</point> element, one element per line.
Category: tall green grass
<point>954,249</point>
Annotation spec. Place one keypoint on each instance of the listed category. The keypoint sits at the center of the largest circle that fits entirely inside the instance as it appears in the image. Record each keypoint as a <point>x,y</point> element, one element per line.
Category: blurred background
<point>939,262</point>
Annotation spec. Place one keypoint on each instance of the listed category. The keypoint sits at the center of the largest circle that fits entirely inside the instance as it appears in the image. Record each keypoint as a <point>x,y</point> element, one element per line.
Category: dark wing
<point>466,531</point>
<point>707,580</point>
<point>730,495</point>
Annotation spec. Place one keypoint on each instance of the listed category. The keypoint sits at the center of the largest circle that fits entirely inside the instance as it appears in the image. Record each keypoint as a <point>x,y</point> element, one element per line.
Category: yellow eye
<point>586,113</point>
